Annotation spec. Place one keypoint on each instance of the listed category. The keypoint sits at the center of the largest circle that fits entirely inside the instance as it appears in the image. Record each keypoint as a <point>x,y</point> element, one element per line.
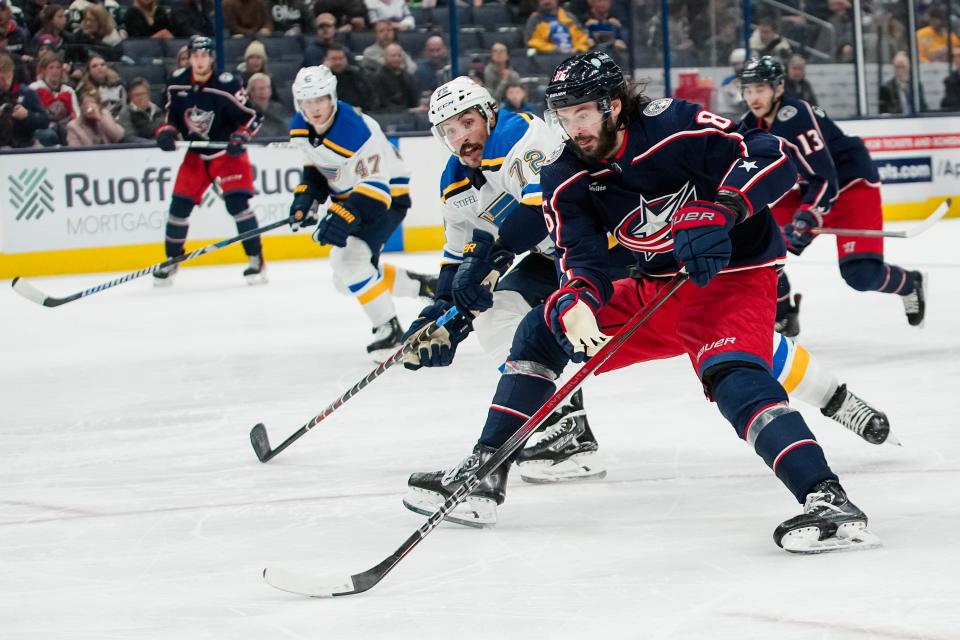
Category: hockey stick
<point>331,586</point>
<point>914,230</point>
<point>30,292</point>
<point>258,435</point>
<point>213,144</point>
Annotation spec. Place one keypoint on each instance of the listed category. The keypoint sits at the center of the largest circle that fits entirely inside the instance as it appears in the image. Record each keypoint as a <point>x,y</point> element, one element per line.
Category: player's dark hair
<point>633,99</point>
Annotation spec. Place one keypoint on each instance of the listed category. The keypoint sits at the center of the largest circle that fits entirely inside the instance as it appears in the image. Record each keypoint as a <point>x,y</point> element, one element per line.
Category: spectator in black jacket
<point>147,19</point>
<point>396,88</point>
<point>21,112</point>
<point>16,43</point>
<point>896,94</point>
<point>951,86</point>
<point>192,18</point>
<point>796,84</point>
<point>352,85</point>
<point>325,26</point>
<point>353,13</point>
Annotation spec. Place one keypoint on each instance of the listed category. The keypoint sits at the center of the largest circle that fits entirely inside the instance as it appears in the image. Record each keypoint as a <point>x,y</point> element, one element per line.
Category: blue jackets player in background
<point>205,106</point>
<point>679,187</point>
<point>349,161</point>
<point>839,189</point>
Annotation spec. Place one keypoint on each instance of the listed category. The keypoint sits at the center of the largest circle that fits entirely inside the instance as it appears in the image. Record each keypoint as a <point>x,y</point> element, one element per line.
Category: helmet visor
<point>575,119</point>
<point>466,127</point>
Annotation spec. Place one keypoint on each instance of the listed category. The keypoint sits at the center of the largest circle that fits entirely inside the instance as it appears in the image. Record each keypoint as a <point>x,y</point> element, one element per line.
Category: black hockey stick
<point>258,435</point>
<point>913,230</point>
<point>331,586</point>
<point>30,292</point>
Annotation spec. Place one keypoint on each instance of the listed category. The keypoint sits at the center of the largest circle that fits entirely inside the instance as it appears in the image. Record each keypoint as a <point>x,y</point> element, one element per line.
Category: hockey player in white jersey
<point>349,160</point>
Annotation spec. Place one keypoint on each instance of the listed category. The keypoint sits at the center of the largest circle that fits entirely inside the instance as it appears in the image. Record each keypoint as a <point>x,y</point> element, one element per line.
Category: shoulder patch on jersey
<point>820,112</point>
<point>556,153</point>
<point>225,77</point>
<point>786,113</point>
<point>657,107</point>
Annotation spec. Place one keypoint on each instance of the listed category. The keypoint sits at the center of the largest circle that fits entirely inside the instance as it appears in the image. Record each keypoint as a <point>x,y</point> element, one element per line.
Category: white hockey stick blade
<point>29,291</point>
<point>314,587</point>
<point>931,220</point>
<point>914,230</point>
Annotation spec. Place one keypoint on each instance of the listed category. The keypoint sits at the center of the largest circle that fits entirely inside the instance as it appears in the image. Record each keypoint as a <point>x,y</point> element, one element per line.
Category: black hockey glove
<point>484,261</point>
<point>301,210</point>
<point>439,349</point>
<point>238,141</point>
<point>167,137</point>
<point>799,232</point>
<point>701,239</point>
<point>336,226</point>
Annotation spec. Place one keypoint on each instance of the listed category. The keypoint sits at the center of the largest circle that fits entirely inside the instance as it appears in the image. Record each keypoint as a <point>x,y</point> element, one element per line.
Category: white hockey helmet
<point>453,98</point>
<point>315,82</point>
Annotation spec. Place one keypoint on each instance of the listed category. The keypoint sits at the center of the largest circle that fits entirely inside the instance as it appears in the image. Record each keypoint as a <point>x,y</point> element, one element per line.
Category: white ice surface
<point>132,506</point>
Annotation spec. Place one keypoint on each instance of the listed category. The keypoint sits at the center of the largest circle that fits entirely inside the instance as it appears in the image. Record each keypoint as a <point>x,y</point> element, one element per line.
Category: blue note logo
<point>31,194</point>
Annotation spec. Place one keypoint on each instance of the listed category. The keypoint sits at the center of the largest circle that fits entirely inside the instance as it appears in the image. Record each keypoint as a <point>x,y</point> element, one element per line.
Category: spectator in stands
<point>682,46</point>
<point>316,51</point>
<point>604,29</point>
<point>57,97</point>
<point>515,99</point>
<point>896,95</point>
<point>951,86</point>
<point>21,113</point>
<point>99,32</point>
<point>352,85</point>
<point>147,19</point>
<point>796,85</point>
<point>31,14</point>
<point>551,29</point>
<point>290,17</point>
<point>104,81</point>
<point>53,21</point>
<point>433,69</point>
<point>498,73</point>
<point>247,17</point>
<point>276,117</point>
<point>373,55</point>
<point>16,42</point>
<point>394,11</point>
<point>522,9</point>
<point>192,18</point>
<point>254,61</point>
<point>95,126</point>
<point>767,41</point>
<point>732,98</point>
<point>837,41</point>
<point>932,39</point>
<point>395,87</point>
<point>141,117</point>
<point>353,13</point>
<point>77,9</point>
<point>891,35</point>
<point>183,58</point>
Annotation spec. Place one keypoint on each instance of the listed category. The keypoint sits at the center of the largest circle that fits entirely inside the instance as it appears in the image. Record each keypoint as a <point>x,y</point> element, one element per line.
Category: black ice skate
<point>387,338</point>
<point>829,522</point>
<point>427,491</point>
<point>915,302</point>
<point>163,277</point>
<point>788,317</point>
<point>428,284</point>
<point>564,448</point>
<point>857,415</point>
<point>256,272</point>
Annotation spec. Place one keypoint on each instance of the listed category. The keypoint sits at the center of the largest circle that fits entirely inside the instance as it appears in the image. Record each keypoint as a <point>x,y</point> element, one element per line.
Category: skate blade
<point>256,278</point>
<point>580,467</point>
<point>852,536</point>
<point>475,512</point>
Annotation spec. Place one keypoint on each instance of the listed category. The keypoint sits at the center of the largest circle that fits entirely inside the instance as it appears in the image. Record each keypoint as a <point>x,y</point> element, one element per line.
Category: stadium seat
<point>360,40</point>
<point>395,122</point>
<point>468,40</point>
<point>143,50</point>
<point>155,74</point>
<point>413,41</point>
<point>172,45</point>
<point>510,36</point>
<point>284,48</point>
<point>282,71</point>
<point>233,49</point>
<point>492,15</point>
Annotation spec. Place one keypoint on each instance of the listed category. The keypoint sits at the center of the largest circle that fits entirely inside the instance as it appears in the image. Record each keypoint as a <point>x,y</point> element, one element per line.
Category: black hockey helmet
<point>585,77</point>
<point>764,70</point>
<point>200,43</point>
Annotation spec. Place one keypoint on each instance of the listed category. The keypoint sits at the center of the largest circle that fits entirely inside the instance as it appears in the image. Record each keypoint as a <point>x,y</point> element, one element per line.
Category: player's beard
<point>606,141</point>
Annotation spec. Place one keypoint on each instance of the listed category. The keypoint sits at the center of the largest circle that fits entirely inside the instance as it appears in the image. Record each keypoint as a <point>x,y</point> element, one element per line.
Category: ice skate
<point>256,272</point>
<point>563,449</point>
<point>387,338</point>
<point>427,491</point>
<point>428,284</point>
<point>163,277</point>
<point>915,302</point>
<point>788,317</point>
<point>829,522</point>
<point>857,415</point>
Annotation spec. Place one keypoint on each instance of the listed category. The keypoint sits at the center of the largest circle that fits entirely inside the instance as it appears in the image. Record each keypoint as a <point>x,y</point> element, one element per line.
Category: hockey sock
<point>757,408</point>
<point>897,280</point>
<point>870,274</point>
<point>178,223</point>
<point>245,219</point>
<point>800,374</point>
<point>355,275</point>
<point>523,388</point>
<point>403,285</point>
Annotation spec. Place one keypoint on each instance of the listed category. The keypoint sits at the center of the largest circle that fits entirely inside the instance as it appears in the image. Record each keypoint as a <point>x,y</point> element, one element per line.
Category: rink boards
<point>105,210</point>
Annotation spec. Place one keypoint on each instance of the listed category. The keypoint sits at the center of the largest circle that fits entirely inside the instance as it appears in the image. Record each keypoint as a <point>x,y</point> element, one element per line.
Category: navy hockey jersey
<point>827,158</point>
<point>674,153</point>
<point>209,111</point>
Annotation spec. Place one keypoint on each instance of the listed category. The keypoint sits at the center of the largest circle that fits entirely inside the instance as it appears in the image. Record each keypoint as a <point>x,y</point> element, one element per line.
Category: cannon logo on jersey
<point>199,121</point>
<point>657,107</point>
<point>786,113</point>
<point>647,228</point>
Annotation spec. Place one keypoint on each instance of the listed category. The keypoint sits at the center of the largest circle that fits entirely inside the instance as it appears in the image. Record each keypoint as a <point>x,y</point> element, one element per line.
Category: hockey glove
<point>799,233</point>
<point>336,226</point>
<point>167,137</point>
<point>701,239</point>
<point>301,210</point>
<point>571,313</point>
<point>484,260</point>
<point>439,349</point>
<point>237,142</point>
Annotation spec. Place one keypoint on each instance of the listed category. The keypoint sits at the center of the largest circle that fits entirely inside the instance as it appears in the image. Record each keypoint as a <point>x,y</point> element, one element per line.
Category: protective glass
<point>453,130</point>
<point>569,121</point>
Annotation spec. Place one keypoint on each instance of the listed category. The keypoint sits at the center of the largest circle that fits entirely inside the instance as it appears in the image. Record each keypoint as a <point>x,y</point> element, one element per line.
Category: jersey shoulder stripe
<point>298,126</point>
<point>510,129</point>
<point>348,133</point>
<point>454,179</point>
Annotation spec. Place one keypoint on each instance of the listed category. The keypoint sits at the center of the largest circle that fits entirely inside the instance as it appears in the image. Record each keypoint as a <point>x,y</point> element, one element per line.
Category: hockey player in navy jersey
<point>839,188</point>
<point>349,161</point>
<point>679,187</point>
<point>203,106</point>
